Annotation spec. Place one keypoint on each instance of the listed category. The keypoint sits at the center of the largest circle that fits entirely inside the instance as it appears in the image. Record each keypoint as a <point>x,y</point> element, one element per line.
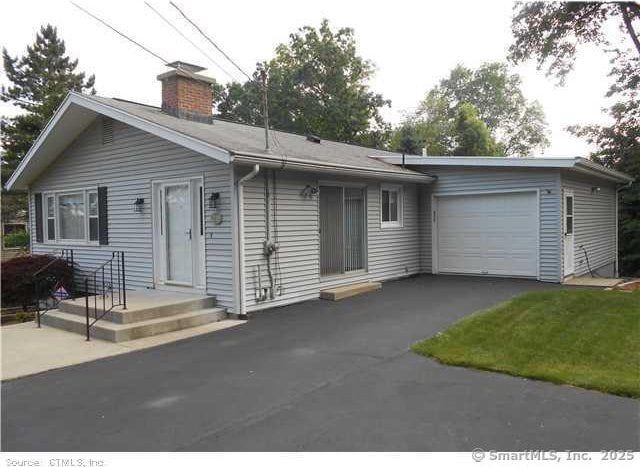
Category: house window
<point>72,216</point>
<point>51,217</point>
<point>391,206</point>
<point>93,216</point>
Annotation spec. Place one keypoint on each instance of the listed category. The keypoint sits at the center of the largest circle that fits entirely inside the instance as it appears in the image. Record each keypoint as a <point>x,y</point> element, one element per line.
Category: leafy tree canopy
<point>551,33</point>
<point>317,83</point>
<point>40,79</point>
<point>516,124</point>
<point>472,136</point>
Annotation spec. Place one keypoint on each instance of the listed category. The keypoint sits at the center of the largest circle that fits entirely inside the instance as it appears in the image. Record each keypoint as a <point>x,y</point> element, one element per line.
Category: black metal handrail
<point>42,276</point>
<point>109,289</point>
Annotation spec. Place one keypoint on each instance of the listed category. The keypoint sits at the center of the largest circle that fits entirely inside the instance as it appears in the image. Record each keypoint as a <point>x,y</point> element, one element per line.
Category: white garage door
<point>494,234</point>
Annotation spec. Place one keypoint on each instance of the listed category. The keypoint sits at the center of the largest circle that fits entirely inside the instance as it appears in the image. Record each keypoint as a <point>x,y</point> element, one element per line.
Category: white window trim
<point>45,213</point>
<point>398,223</point>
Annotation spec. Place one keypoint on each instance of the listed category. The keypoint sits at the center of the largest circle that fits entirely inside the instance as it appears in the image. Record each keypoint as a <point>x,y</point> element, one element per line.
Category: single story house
<point>199,204</point>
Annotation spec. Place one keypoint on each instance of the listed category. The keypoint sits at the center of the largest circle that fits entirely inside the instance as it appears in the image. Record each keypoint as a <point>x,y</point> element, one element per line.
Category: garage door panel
<point>492,234</point>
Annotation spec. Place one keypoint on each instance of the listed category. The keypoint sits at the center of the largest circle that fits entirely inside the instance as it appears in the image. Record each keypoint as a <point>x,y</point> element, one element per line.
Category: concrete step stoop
<point>148,313</point>
<point>350,290</point>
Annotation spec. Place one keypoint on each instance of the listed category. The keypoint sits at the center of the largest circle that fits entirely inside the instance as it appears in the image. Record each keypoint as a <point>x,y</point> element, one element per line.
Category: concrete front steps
<point>148,313</point>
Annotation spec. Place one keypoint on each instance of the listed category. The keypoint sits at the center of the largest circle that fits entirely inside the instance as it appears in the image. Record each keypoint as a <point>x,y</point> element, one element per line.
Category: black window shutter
<point>103,223</point>
<point>39,230</point>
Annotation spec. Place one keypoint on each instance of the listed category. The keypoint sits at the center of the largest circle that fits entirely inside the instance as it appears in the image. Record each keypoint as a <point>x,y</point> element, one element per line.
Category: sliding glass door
<point>342,229</point>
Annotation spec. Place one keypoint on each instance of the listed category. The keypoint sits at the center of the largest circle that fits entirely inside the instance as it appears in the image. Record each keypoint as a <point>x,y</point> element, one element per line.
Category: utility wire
<point>164,62</point>
<point>120,33</point>
<point>189,41</point>
<point>210,40</point>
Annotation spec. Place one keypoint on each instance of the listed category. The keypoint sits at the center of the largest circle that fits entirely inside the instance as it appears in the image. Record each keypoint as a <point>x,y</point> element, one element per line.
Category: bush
<point>16,240</point>
<point>18,287</point>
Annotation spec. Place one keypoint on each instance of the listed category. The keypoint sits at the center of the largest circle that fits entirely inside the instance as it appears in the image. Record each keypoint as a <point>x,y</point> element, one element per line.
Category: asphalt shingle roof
<point>241,138</point>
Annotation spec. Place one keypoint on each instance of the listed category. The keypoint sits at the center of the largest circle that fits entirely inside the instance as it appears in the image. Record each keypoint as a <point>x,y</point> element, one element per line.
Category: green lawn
<point>587,338</point>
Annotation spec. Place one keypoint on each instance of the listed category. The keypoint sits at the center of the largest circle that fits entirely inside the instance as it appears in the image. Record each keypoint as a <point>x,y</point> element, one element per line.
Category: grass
<point>586,338</point>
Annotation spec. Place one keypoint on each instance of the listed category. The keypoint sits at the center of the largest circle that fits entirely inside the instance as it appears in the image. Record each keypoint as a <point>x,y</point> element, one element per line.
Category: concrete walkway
<point>316,376</point>
<point>27,350</point>
<point>588,281</point>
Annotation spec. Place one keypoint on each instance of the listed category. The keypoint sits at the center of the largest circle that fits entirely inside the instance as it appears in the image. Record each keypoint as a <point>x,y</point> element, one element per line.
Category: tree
<point>551,33</point>
<point>619,148</point>
<point>39,81</point>
<point>317,83</point>
<point>472,135</point>
<point>517,124</point>
<point>406,140</point>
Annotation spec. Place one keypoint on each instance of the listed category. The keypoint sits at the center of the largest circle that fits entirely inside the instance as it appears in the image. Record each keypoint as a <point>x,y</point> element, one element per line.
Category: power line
<point>210,40</point>
<point>189,40</point>
<point>165,62</point>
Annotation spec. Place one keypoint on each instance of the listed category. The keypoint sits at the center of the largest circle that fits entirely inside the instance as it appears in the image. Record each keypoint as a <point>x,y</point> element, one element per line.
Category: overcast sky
<point>413,45</point>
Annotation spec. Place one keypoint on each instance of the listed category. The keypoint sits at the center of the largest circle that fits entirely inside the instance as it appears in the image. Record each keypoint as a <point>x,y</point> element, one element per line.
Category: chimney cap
<point>186,66</point>
<point>186,70</point>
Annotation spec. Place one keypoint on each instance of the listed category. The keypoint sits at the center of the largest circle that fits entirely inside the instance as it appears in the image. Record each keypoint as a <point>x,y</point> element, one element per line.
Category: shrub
<point>16,240</point>
<point>18,287</point>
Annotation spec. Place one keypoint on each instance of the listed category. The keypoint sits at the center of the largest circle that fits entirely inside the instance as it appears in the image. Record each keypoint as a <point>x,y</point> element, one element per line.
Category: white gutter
<point>589,166</point>
<point>241,182</point>
<point>274,161</point>
<point>578,164</point>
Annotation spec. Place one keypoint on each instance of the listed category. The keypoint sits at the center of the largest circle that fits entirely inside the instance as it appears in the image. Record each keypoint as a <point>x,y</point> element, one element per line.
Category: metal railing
<point>47,280</point>
<point>108,292</point>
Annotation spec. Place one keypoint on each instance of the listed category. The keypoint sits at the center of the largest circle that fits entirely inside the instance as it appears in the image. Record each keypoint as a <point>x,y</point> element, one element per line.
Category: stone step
<point>116,332</point>
<point>141,307</point>
<point>351,290</point>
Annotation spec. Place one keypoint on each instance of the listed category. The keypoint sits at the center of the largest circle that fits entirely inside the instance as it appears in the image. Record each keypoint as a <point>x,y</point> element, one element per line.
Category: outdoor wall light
<point>309,191</point>
<point>213,199</point>
<point>595,189</point>
<point>138,205</point>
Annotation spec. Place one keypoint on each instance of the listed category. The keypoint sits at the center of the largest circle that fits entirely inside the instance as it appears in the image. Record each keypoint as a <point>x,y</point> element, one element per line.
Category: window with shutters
<point>71,216</point>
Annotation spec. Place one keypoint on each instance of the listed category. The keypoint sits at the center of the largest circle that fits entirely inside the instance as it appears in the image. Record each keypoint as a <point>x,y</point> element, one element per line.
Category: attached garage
<point>491,233</point>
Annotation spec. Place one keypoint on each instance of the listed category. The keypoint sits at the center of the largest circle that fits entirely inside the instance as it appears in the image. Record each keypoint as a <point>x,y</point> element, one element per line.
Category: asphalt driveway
<point>315,376</point>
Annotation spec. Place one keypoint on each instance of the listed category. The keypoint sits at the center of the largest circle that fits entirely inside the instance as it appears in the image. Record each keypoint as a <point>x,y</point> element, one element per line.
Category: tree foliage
<point>317,83</point>
<point>472,135</point>
<point>551,33</point>
<point>516,124</point>
<point>40,79</point>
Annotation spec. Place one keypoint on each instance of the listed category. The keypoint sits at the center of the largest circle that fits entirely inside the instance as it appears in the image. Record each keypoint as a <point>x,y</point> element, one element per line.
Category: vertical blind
<point>353,229</point>
<point>342,229</point>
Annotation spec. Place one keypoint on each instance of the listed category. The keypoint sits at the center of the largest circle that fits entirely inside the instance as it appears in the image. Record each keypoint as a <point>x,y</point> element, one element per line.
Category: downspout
<point>618,190</point>
<point>241,182</point>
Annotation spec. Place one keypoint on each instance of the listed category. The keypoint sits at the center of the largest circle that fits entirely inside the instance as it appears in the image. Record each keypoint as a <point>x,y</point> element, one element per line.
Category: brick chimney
<point>187,94</point>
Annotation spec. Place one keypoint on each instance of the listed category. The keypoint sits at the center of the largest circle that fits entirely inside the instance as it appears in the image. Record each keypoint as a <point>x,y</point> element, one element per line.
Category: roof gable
<point>74,115</point>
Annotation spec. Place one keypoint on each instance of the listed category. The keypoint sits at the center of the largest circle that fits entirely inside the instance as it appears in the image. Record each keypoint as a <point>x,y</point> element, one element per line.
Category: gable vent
<point>107,130</point>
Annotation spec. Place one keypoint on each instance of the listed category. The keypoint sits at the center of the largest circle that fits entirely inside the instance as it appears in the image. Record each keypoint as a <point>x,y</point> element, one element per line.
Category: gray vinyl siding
<point>461,180</point>
<point>127,167</point>
<point>594,223</point>
<point>390,253</point>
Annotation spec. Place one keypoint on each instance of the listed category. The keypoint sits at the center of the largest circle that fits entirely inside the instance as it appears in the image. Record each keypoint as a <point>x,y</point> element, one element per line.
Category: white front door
<point>568,226</point>
<point>179,233</point>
